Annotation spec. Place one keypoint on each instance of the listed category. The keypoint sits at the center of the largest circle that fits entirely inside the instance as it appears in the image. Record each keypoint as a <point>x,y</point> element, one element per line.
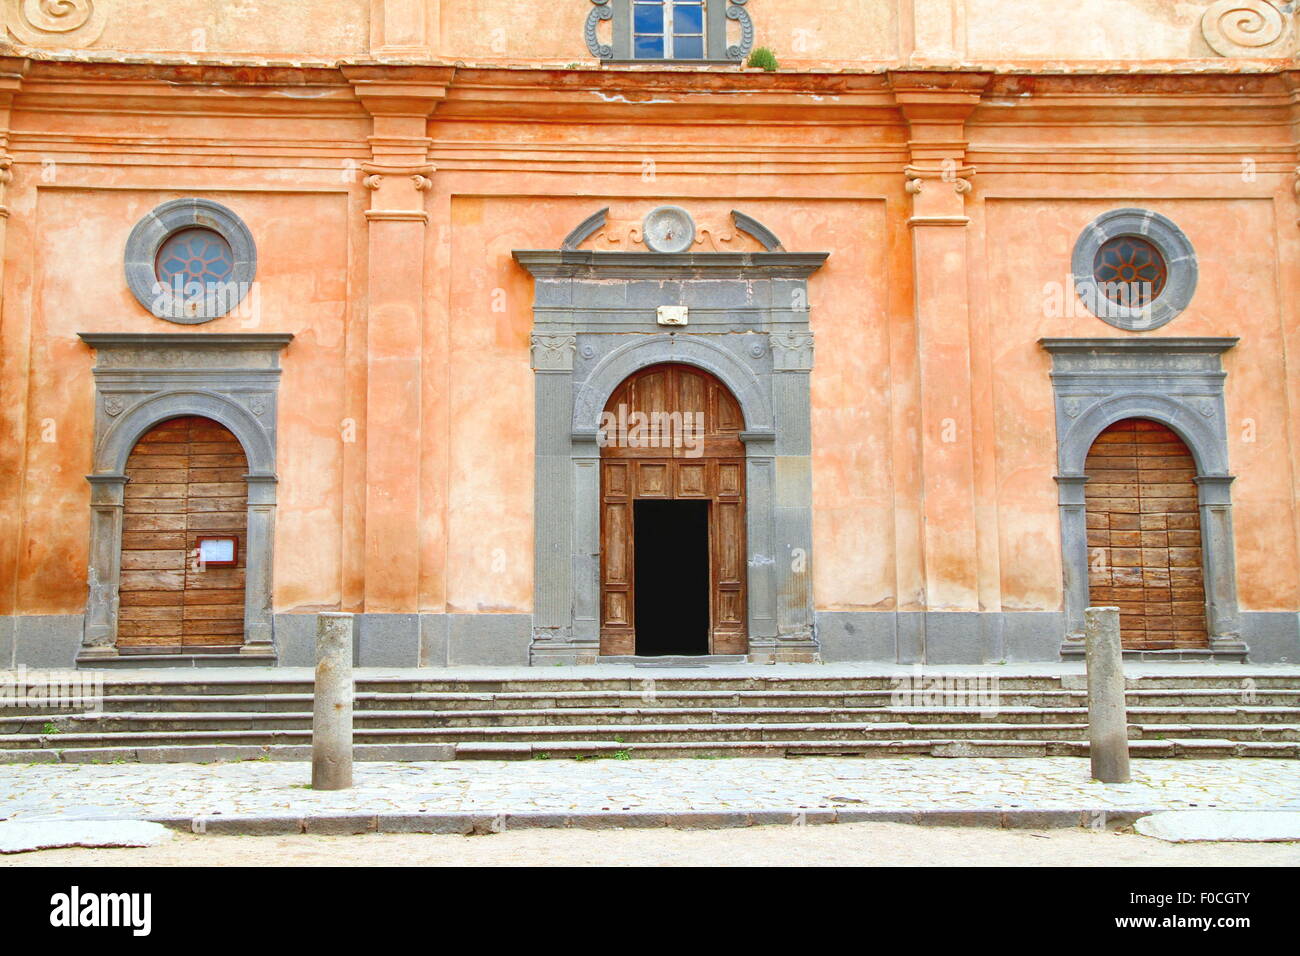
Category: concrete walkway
<point>274,798</point>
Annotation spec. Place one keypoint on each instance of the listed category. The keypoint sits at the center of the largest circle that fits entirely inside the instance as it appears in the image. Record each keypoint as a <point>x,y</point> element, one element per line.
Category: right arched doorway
<point>1144,535</point>
<point>672,516</point>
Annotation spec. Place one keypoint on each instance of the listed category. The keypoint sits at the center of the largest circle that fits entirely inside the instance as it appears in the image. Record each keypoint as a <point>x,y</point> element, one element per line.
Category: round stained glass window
<point>1130,271</point>
<point>195,255</point>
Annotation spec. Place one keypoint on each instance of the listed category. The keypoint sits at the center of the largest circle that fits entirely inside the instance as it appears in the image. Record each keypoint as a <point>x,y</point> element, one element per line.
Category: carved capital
<point>792,351</point>
<point>553,353</point>
<point>947,173</point>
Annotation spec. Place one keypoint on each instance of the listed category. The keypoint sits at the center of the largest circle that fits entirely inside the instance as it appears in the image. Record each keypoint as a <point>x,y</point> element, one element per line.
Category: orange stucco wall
<point>521,155</point>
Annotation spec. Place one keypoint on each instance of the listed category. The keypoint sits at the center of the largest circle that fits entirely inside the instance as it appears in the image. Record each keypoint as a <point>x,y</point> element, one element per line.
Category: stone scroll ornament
<point>602,11</point>
<point>1248,27</point>
<point>56,23</point>
<point>736,11</point>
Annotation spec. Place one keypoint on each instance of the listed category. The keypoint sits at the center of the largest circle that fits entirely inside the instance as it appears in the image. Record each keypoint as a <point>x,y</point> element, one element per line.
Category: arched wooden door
<point>184,527</point>
<point>1144,535</point>
<point>672,516</point>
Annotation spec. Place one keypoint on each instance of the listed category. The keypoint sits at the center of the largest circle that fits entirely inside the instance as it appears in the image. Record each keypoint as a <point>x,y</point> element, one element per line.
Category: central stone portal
<point>672,516</point>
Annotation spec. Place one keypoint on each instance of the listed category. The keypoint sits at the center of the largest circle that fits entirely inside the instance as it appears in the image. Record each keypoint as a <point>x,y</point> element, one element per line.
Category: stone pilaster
<point>398,175</point>
<point>14,350</point>
<point>107,493</point>
<point>938,180</point>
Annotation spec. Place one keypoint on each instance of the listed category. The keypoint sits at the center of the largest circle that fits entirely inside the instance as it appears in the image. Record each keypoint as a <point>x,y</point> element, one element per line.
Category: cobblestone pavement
<point>116,791</point>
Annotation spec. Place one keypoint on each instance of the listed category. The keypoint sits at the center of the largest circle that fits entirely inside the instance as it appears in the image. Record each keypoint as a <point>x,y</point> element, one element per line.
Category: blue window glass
<point>649,48</point>
<point>688,19</point>
<point>688,48</point>
<point>648,18</point>
<point>195,255</point>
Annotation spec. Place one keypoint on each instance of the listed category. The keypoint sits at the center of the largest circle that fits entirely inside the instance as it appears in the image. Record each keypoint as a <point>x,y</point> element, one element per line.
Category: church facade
<point>547,333</point>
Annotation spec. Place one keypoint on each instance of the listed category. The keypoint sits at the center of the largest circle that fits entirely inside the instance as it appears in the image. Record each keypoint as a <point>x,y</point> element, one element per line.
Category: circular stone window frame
<point>1172,244</point>
<point>161,224</point>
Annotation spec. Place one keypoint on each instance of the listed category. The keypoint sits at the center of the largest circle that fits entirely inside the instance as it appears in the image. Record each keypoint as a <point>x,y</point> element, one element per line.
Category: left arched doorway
<point>672,521</point>
<point>184,530</point>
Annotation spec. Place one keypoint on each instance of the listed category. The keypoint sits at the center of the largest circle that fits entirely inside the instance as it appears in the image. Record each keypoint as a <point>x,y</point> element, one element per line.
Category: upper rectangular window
<point>668,29</point>
<point>650,30</point>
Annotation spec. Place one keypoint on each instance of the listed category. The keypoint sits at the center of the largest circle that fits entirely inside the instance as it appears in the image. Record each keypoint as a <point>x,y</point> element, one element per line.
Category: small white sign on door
<point>217,550</point>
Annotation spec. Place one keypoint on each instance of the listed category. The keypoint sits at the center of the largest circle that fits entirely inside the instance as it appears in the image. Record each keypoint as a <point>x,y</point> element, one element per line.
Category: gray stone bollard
<point>1107,714</point>
<point>331,724</point>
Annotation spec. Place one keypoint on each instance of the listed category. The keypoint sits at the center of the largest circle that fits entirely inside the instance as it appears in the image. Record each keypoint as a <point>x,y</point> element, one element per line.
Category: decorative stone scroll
<point>713,232</point>
<point>58,23</point>
<point>1247,28</point>
<point>736,11</point>
<point>602,11</point>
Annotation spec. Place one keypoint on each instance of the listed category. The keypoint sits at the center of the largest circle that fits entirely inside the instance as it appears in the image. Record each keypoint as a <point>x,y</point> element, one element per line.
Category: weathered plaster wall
<point>314,28</point>
<point>1026,241</point>
<point>804,33</point>
<point>1086,29</point>
<point>73,264</point>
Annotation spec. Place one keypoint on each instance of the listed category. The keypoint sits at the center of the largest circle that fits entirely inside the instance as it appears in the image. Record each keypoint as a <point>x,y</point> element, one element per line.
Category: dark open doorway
<point>672,577</point>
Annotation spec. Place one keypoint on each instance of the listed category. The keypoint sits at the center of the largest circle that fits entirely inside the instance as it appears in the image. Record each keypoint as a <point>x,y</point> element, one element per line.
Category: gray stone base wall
<point>439,640</point>
<point>1273,637</point>
<point>414,640</point>
<point>940,637</point>
<point>975,637</point>
<point>40,640</point>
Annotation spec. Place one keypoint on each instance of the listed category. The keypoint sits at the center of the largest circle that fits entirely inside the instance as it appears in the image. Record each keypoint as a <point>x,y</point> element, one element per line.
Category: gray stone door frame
<point>595,323</point>
<point>144,379</point>
<point>1177,382</point>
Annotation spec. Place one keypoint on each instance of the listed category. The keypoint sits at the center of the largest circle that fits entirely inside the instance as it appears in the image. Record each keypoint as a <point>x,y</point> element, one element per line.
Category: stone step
<point>118,722</point>
<point>181,686</point>
<point>596,749</point>
<point>839,699</point>
<point>651,733</point>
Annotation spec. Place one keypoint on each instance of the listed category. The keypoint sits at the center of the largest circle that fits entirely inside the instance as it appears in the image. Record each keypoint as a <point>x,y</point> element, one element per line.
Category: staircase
<point>188,716</point>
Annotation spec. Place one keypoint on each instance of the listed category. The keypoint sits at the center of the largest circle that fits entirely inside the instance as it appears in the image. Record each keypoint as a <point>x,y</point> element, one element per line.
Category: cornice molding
<point>581,263</point>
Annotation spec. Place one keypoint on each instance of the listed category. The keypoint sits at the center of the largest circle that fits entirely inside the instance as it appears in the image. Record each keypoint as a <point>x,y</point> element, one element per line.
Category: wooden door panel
<point>186,478</point>
<point>653,479</point>
<point>616,477</point>
<point>692,479</point>
<point>731,478</point>
<point>728,553</point>
<point>1143,520</point>
<point>617,540</point>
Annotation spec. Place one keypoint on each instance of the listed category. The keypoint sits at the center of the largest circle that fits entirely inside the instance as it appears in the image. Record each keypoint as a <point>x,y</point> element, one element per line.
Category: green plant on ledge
<point>763,58</point>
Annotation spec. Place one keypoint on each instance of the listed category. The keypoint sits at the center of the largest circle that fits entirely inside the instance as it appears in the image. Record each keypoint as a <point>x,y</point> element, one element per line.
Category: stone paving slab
<point>20,837</point>
<point>483,796</point>
<point>1231,826</point>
